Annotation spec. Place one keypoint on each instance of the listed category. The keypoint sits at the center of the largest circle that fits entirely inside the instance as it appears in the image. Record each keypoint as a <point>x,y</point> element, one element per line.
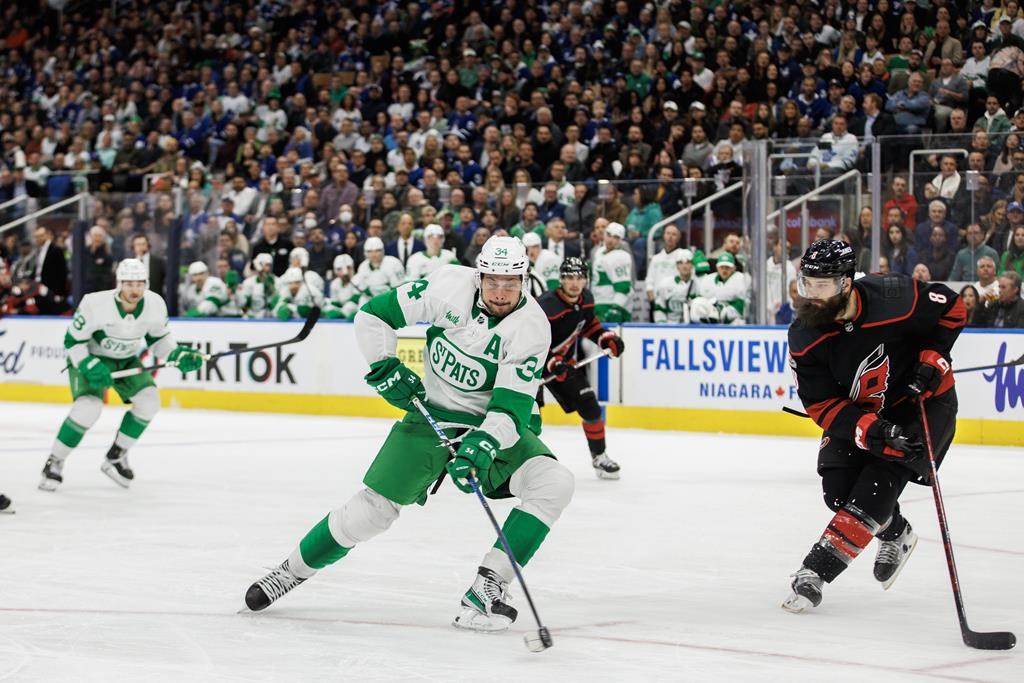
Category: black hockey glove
<point>928,374</point>
<point>559,367</point>
<point>890,441</point>
<point>612,342</point>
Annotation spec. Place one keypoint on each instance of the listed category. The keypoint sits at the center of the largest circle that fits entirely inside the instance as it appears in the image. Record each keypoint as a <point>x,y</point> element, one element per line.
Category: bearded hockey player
<point>864,353</point>
<point>485,353</point>
<point>570,312</point>
<point>106,334</point>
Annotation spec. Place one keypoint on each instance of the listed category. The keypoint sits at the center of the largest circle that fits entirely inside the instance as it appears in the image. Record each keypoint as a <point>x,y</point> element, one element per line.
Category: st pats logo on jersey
<point>871,381</point>
<point>456,367</point>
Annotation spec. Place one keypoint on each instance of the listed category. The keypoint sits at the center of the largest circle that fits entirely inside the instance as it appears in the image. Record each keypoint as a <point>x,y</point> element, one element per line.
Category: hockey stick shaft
<point>545,636</point>
<point>583,363</point>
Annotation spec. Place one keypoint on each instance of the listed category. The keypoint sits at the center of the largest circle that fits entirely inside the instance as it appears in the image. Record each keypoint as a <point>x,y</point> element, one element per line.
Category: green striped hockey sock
<point>319,549</point>
<point>525,533</point>
<point>130,430</point>
<point>69,436</point>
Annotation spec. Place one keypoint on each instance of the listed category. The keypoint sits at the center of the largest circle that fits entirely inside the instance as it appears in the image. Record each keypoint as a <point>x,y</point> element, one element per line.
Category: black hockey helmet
<point>828,258</point>
<point>573,265</point>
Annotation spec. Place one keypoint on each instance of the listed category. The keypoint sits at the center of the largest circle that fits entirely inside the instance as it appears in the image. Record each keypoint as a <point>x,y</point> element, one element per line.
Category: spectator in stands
<point>99,264</point>
<point>837,150</point>
<point>698,149</point>
<point>993,122</point>
<point>1008,310</point>
<point>774,266</point>
<point>936,218</point>
<point>910,106</point>
<point>902,199</point>
<point>939,257</point>
<point>580,215</point>
<point>965,265</point>
<point>969,295</point>
<point>274,243</point>
<point>645,214</point>
<point>1013,258</point>
<point>900,254</point>
<point>404,245</point>
<point>555,240</point>
<point>987,285</point>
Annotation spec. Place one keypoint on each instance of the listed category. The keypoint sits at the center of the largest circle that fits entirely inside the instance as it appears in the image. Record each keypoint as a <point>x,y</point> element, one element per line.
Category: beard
<point>815,313</point>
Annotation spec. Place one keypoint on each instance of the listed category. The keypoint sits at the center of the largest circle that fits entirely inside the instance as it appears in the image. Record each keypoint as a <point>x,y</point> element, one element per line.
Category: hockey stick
<point>995,640</point>
<point>582,363</point>
<point>542,639</point>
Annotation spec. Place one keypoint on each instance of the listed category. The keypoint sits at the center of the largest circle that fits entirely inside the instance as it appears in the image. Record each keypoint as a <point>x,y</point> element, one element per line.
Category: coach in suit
<point>50,266</point>
<point>156,265</point>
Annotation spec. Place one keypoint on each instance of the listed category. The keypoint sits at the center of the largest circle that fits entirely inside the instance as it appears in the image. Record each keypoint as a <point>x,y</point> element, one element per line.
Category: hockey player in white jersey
<point>612,277</point>
<point>344,293</point>
<point>723,295</point>
<point>484,356</point>
<point>105,335</point>
<point>294,298</point>
<point>299,258</point>
<point>206,294</point>
<point>378,272</point>
<point>663,264</point>
<point>544,264</point>
<point>259,290</point>
<point>423,263</point>
<point>673,294</point>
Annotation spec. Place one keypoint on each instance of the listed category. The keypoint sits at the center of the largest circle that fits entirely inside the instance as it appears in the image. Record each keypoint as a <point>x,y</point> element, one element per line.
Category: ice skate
<point>806,591</point>
<point>271,587</point>
<point>485,605</point>
<point>605,467</point>
<point>6,506</point>
<point>116,466</point>
<point>53,474</point>
<point>892,555</point>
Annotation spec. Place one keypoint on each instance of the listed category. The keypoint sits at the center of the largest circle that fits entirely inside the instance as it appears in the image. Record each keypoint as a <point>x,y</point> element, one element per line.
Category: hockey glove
<point>95,372</point>
<point>283,312</point>
<point>395,382</point>
<point>186,359</point>
<point>231,279</point>
<point>476,452</point>
<point>612,342</point>
<point>193,313</point>
<point>929,372</point>
<point>559,367</point>
<point>890,441</point>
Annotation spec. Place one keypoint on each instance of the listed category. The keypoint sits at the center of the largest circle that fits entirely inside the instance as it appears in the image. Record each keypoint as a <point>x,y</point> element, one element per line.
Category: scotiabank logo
<point>1008,381</point>
<point>270,366</point>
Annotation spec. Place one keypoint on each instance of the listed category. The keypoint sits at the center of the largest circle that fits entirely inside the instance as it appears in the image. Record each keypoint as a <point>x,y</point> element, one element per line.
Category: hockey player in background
<point>612,280</point>
<point>205,294</point>
<point>106,334</point>
<point>570,312</point>
<point>722,295</point>
<point>864,353</point>
<point>259,291</point>
<point>423,263</point>
<point>484,355</point>
<point>344,294</point>
<point>378,272</point>
<point>673,294</point>
<point>544,264</point>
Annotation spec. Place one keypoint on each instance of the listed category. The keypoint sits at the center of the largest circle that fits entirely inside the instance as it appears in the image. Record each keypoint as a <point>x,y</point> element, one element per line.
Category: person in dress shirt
<point>405,245</point>
<point>157,266</point>
<point>51,268</point>
<point>555,232</point>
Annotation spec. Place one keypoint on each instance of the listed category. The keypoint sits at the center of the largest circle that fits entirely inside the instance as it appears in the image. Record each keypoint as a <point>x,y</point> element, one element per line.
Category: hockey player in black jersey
<point>864,353</point>
<point>570,311</point>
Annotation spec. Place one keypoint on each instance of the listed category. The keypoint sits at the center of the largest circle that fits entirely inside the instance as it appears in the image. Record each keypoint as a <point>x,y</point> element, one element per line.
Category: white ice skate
<point>892,555</point>
<point>484,606</point>
<point>53,474</point>
<point>116,467</point>
<point>806,591</point>
<point>605,467</point>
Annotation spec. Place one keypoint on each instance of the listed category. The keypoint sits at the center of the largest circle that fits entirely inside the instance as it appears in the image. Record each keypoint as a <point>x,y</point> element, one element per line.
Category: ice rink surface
<point>673,573</point>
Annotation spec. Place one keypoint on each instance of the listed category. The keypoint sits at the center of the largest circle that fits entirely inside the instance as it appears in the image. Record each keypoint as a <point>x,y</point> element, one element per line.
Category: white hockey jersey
<point>372,281</point>
<point>547,268</point>
<point>611,283</point>
<point>733,294</point>
<point>298,305</point>
<point>420,265</point>
<point>661,266</point>
<point>478,370</point>
<point>672,299</point>
<point>258,295</point>
<point>100,327</point>
<point>345,296</point>
<point>209,300</point>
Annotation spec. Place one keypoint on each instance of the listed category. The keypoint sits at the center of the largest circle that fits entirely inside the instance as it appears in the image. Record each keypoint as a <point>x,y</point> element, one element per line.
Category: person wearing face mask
<point>337,229</point>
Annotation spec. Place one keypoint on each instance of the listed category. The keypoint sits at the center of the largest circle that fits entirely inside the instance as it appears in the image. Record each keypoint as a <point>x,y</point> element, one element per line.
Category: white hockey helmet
<point>291,276</point>
<point>197,268</point>
<point>681,255</point>
<point>131,270</point>
<point>531,239</point>
<point>301,254</point>
<point>433,230</point>
<point>502,255</point>
<point>616,230</point>
<point>373,244</point>
<point>263,260</point>
<point>343,262</point>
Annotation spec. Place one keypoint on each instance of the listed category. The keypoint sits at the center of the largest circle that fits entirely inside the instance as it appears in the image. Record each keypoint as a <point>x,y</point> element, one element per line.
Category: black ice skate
<point>6,507</point>
<point>116,466</point>
<point>892,555</point>
<point>806,591</point>
<point>53,474</point>
<point>605,467</point>
<point>484,606</point>
<point>271,587</point>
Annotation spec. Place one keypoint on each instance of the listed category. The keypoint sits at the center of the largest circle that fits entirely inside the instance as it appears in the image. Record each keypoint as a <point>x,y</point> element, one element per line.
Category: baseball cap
<point>433,230</point>
<point>917,52</point>
<point>671,105</point>
<point>726,259</point>
<point>698,55</point>
<point>1015,206</point>
<point>469,52</point>
<point>835,83</point>
<point>373,244</point>
<point>598,45</point>
<point>531,239</point>
<point>615,230</point>
<point>698,105</point>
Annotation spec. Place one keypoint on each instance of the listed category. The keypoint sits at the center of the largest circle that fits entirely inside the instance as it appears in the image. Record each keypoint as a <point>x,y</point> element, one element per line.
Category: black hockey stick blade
<point>794,411</point>
<point>994,640</point>
<point>539,641</point>
<point>1007,364</point>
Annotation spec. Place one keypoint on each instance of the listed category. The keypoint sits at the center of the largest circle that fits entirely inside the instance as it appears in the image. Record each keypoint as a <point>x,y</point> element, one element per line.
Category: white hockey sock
<point>298,566</point>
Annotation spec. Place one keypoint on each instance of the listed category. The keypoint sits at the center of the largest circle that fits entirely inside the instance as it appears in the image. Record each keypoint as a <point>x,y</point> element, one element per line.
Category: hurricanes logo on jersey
<point>871,381</point>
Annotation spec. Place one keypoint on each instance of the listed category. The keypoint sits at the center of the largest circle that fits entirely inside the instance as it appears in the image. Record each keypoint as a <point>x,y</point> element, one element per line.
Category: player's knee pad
<point>146,403</point>
<point>545,487</point>
<point>366,515</point>
<point>86,410</point>
<point>588,408</point>
<point>703,310</point>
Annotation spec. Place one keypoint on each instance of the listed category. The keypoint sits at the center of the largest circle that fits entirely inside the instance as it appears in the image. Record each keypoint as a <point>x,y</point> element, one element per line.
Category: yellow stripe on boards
<point>968,430</point>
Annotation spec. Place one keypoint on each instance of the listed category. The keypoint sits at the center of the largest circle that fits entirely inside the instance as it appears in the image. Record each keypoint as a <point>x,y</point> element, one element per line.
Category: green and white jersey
<point>611,283</point>
<point>662,266</point>
<point>100,327</point>
<point>478,370</point>
<point>420,264</point>
<point>734,292</point>
<point>258,294</point>
<point>300,304</point>
<point>671,299</point>
<point>546,268</point>
<point>210,299</point>
<point>345,295</point>
<point>372,281</point>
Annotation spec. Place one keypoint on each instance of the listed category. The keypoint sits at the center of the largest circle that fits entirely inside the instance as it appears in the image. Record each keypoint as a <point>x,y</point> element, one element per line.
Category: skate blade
<point>609,476</point>
<point>892,579</point>
<point>48,485</point>
<point>795,604</point>
<point>472,620</point>
<point>8,511</point>
<point>111,472</point>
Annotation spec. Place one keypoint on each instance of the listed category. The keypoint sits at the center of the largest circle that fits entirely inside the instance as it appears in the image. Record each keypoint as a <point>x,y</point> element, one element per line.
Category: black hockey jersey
<point>569,321</point>
<point>848,373</point>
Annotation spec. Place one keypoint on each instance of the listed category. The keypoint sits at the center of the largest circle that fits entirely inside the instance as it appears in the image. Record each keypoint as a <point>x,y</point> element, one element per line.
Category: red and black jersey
<point>569,321</point>
<point>848,373</point>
